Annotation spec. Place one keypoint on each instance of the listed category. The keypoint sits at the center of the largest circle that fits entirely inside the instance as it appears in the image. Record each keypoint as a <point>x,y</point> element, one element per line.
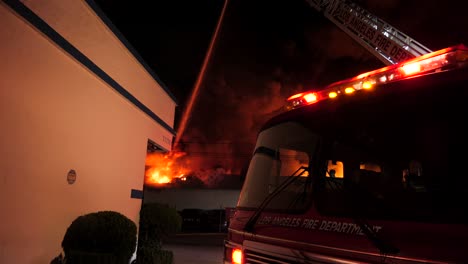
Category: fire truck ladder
<point>384,41</point>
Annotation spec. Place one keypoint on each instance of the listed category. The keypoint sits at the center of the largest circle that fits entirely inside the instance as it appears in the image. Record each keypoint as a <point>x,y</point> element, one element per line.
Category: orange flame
<point>162,168</point>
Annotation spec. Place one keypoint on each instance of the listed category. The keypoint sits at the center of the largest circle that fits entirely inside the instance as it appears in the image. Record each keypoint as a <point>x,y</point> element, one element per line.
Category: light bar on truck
<point>442,60</point>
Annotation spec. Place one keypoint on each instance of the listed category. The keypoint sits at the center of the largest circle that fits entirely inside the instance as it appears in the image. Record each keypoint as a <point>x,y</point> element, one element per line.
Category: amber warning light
<point>437,61</point>
<point>237,256</point>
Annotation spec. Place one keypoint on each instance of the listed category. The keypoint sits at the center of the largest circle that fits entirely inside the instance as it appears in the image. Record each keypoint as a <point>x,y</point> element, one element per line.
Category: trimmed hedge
<point>157,221</point>
<point>107,234</point>
<point>80,257</point>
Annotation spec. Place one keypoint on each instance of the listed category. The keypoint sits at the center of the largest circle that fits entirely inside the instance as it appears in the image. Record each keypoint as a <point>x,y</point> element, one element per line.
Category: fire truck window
<point>354,177</point>
<point>406,171</point>
<point>291,163</point>
<point>335,169</point>
<point>368,166</point>
<point>413,178</point>
<point>279,157</point>
<point>292,160</point>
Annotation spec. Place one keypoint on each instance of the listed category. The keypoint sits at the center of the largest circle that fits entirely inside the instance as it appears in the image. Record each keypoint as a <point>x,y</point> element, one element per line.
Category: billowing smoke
<point>252,72</point>
<point>266,51</point>
<point>258,64</point>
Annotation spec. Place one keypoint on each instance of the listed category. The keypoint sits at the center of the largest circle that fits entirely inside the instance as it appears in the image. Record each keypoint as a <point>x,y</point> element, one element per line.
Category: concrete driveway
<point>199,248</point>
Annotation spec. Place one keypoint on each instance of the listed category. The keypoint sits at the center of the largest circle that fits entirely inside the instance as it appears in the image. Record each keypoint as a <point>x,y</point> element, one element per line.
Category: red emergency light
<point>441,60</point>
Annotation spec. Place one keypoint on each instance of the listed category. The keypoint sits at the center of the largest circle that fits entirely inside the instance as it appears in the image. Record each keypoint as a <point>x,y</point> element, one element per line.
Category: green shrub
<point>101,233</point>
<point>150,255</point>
<point>80,257</point>
<point>157,221</point>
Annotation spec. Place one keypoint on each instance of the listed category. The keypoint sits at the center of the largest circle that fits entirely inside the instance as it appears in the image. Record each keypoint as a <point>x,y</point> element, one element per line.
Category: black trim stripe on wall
<point>47,30</point>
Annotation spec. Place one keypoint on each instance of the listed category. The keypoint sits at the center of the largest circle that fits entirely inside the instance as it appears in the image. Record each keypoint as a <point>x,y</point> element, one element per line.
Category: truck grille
<point>252,257</point>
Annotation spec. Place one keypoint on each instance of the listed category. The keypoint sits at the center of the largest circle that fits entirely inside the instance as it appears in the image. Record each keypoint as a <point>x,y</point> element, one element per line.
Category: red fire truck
<point>367,170</point>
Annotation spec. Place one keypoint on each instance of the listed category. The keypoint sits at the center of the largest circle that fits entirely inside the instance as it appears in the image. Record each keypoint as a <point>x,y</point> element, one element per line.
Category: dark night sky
<point>266,51</point>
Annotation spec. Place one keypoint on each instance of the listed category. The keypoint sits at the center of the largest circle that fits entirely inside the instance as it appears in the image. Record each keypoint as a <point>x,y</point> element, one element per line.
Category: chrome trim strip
<point>248,235</point>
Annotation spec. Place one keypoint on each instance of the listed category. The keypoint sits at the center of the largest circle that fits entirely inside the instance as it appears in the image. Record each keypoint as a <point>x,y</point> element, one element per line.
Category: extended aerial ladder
<point>387,43</point>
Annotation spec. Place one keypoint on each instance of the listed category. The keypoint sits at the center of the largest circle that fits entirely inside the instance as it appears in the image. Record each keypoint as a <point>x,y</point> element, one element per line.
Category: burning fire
<point>162,168</point>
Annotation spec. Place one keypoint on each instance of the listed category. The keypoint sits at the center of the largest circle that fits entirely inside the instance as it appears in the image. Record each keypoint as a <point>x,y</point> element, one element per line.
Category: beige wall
<point>56,115</point>
<point>77,23</point>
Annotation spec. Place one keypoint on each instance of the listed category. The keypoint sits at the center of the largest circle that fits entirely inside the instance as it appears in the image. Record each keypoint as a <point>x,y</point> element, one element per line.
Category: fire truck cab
<point>366,170</point>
